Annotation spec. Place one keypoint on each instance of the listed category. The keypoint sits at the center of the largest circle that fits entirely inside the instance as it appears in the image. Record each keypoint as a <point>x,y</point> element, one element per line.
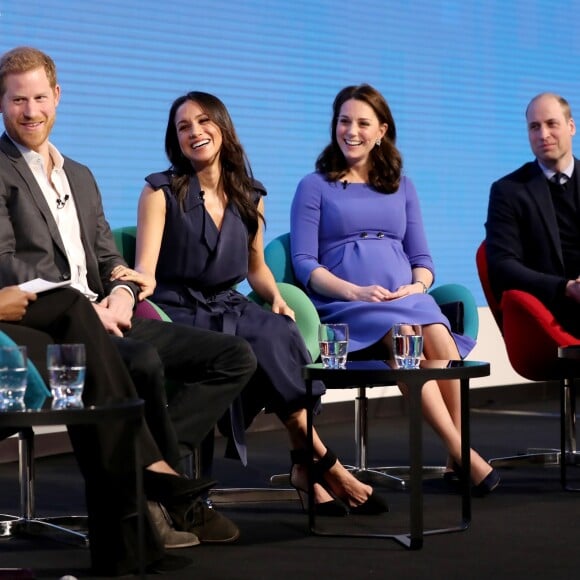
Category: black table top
<point>44,415</point>
<point>375,372</point>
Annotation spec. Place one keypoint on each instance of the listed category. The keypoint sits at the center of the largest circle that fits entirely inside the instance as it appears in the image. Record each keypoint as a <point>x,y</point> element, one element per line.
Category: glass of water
<point>13,377</point>
<point>66,373</point>
<point>407,345</point>
<point>333,340</point>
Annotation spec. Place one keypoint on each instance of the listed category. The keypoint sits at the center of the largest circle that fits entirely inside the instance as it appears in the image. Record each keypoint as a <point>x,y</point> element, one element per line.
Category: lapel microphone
<point>344,184</point>
<point>61,202</point>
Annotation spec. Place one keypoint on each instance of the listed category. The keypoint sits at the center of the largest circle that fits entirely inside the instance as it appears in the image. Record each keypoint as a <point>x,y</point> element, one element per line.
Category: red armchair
<point>532,337</point>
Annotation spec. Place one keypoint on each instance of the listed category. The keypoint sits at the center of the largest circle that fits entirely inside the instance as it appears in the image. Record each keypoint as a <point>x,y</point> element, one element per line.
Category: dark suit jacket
<point>30,244</point>
<point>522,238</point>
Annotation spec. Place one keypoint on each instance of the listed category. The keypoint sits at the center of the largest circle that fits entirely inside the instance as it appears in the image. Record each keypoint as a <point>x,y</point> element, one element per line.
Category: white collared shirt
<point>549,173</point>
<point>66,217</point>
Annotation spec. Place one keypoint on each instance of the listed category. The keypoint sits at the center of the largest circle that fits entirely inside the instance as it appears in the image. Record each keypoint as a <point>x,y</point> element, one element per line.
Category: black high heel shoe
<point>487,485</point>
<point>454,476</point>
<point>483,488</point>
<point>334,507</point>
<point>373,505</point>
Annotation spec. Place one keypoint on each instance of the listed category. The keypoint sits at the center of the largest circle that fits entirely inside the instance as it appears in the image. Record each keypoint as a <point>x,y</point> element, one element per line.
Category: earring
<point>378,142</point>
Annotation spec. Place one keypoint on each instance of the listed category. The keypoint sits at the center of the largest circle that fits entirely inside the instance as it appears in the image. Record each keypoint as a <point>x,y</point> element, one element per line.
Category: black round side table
<point>27,523</point>
<point>375,373</point>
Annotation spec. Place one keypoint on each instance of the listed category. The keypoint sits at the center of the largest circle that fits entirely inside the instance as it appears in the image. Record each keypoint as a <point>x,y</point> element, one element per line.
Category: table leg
<point>310,454</point>
<point>414,538</point>
<point>416,471</point>
<point>465,453</point>
<point>361,433</point>
<point>563,409</point>
<point>140,499</point>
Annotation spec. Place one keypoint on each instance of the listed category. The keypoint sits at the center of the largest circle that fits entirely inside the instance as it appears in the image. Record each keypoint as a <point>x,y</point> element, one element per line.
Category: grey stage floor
<point>529,528</point>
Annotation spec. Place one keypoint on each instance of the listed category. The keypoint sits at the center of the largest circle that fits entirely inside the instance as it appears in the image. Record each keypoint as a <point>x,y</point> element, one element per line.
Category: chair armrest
<point>125,239</point>
<point>148,309</point>
<point>278,257</point>
<point>458,293</point>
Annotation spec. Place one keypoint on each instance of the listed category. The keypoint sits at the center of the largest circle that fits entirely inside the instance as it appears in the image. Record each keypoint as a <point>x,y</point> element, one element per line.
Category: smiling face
<point>357,131</point>
<point>550,131</point>
<point>29,108</point>
<point>200,139</point>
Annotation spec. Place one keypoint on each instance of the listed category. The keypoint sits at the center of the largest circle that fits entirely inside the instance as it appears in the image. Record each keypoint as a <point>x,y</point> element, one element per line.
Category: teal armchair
<point>279,259</point>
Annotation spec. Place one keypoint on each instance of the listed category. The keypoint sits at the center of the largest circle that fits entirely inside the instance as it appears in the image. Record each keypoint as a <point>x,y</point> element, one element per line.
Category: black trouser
<point>208,370</point>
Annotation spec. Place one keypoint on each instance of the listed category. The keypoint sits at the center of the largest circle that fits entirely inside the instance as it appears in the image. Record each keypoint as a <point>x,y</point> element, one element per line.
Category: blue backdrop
<point>457,74</point>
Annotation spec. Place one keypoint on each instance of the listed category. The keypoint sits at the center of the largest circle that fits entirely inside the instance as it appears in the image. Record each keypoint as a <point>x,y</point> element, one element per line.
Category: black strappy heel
<point>374,504</point>
<point>334,507</point>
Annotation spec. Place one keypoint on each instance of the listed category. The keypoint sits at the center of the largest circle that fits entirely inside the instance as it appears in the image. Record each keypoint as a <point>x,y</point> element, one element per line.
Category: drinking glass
<point>407,345</point>
<point>66,374</point>
<point>333,340</point>
<point>13,377</point>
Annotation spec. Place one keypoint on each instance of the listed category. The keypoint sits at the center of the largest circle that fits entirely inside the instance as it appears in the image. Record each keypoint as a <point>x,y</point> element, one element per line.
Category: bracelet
<point>422,284</point>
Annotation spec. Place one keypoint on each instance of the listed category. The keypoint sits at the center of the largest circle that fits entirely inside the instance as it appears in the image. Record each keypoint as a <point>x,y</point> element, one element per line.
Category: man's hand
<point>115,312</point>
<point>573,289</point>
<point>14,302</point>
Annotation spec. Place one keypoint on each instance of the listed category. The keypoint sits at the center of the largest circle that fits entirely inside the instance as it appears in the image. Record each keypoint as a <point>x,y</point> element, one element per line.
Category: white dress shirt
<point>58,195</point>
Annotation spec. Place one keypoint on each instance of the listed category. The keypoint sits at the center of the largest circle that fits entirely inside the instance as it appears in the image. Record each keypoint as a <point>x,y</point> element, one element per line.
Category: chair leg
<point>68,529</point>
<point>563,457</point>
<point>531,458</point>
<point>26,472</point>
<point>394,477</point>
<point>568,453</point>
<point>378,475</point>
<point>231,496</point>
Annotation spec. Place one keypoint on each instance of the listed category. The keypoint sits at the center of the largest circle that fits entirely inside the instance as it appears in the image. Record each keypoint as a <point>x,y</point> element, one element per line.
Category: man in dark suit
<point>533,221</point>
<point>52,226</point>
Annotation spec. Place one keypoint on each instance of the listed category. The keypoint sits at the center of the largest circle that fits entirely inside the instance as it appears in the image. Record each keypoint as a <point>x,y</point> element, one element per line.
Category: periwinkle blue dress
<point>365,237</point>
<point>197,268</point>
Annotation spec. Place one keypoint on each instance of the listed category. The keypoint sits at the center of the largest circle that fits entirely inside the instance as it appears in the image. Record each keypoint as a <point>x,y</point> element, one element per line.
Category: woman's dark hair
<point>385,161</point>
<point>237,179</point>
